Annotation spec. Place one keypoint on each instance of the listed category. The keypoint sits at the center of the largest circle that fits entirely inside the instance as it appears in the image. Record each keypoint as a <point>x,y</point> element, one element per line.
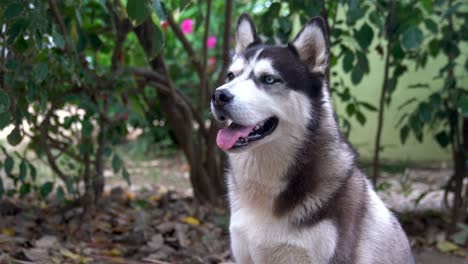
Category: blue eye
<point>268,79</point>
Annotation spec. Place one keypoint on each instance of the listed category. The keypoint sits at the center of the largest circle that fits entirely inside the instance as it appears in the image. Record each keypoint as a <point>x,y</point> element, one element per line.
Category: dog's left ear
<point>246,34</point>
<point>312,45</point>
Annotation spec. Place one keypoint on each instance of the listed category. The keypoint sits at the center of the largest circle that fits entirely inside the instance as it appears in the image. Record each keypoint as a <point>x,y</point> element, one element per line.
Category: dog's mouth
<point>237,136</point>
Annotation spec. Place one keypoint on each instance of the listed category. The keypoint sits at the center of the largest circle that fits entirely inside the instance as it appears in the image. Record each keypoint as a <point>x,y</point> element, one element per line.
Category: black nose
<point>221,97</point>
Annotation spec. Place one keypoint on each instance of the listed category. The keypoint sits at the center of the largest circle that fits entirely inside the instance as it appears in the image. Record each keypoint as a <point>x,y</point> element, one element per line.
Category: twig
<point>153,75</point>
<point>226,42</point>
<point>203,81</point>
<point>123,27</point>
<point>44,127</point>
<point>383,93</point>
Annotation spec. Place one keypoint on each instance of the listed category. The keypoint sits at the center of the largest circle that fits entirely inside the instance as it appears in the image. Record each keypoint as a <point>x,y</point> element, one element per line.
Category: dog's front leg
<point>240,249</point>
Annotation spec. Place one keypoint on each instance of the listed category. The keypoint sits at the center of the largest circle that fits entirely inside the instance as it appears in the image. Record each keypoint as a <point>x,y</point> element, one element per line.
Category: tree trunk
<point>201,154</point>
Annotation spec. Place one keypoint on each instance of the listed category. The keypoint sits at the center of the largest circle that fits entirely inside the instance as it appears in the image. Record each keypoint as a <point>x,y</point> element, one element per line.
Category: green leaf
<point>41,72</point>
<point>25,189</point>
<point>411,38</point>
<point>32,172</point>
<point>12,11</point>
<point>368,106</point>
<point>348,61</point>
<point>15,29</point>
<point>364,36</point>
<point>4,101</point>
<point>427,4</point>
<point>418,85</point>
<point>46,189</point>
<point>23,170</point>
<point>157,41</point>
<point>126,176</point>
<point>15,137</point>
<point>59,41</point>
<point>442,138</point>
<point>60,194</point>
<point>138,10</point>
<point>425,113</point>
<point>350,109</point>
<point>9,164</point>
<point>12,64</point>
<point>431,26</point>
<point>402,118</point>
<point>408,102</point>
<point>361,118</point>
<point>159,10</point>
<point>356,75</point>
<point>87,128</point>
<point>354,12</point>
<point>116,163</point>
<point>69,186</point>
<point>404,133</point>
<point>363,62</point>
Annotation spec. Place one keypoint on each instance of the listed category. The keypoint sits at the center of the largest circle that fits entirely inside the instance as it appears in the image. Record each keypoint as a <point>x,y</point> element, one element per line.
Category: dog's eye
<point>268,79</point>
<point>229,77</point>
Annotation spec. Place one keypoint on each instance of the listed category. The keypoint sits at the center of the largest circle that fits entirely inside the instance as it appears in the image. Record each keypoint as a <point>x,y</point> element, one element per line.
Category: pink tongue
<point>228,136</point>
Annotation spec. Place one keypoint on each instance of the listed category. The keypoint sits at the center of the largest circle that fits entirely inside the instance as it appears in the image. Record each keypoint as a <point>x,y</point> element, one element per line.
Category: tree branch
<point>122,27</point>
<point>186,44</point>
<point>44,128</point>
<point>204,82</point>
<point>226,42</point>
<point>150,74</point>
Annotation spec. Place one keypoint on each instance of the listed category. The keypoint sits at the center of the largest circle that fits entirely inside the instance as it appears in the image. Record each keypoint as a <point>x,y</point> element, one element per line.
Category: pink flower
<point>187,26</point>
<point>211,42</point>
<point>211,60</point>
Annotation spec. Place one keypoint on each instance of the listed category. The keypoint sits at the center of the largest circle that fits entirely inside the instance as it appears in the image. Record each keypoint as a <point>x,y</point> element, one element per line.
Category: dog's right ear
<point>246,34</point>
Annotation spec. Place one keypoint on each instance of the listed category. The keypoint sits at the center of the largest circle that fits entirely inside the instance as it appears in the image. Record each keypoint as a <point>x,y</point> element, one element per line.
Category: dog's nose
<point>221,98</point>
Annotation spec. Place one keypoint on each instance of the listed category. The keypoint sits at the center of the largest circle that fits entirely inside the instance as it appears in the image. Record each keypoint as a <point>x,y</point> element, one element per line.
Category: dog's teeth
<point>257,127</point>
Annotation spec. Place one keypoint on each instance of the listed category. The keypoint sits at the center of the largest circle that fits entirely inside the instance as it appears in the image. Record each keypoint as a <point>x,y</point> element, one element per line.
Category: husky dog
<point>295,192</point>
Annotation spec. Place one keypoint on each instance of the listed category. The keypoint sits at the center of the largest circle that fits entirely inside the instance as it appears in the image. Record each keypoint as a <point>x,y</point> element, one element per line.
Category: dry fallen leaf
<point>8,232</point>
<point>446,246</point>
<point>115,252</point>
<point>68,254</point>
<point>46,242</point>
<point>191,220</point>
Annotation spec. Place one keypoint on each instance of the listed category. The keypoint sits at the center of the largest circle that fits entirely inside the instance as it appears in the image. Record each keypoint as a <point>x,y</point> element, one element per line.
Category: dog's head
<point>271,92</point>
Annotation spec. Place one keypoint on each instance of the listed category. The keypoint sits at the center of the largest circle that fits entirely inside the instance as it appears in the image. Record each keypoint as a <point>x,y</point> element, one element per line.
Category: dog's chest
<point>270,238</point>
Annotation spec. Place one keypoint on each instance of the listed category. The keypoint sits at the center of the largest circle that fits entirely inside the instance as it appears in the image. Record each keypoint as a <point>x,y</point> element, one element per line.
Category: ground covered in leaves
<point>149,227</point>
<point>148,223</point>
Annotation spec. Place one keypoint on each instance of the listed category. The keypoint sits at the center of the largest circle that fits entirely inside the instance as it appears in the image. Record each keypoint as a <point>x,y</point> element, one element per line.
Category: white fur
<point>237,65</point>
<point>264,66</point>
<point>311,44</point>
<point>244,36</point>
<point>373,240</point>
<point>257,236</point>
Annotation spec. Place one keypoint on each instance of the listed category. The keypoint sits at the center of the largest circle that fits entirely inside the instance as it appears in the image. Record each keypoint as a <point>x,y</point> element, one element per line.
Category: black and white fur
<point>297,196</point>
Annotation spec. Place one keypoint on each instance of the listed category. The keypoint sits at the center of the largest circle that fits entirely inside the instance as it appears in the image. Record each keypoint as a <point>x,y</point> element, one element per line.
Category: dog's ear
<point>312,45</point>
<point>246,34</point>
